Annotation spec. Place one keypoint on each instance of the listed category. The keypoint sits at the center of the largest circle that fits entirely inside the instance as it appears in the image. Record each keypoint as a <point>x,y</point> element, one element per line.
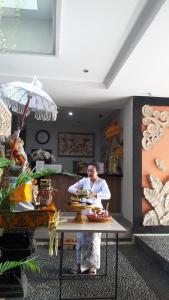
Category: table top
<point>71,226</point>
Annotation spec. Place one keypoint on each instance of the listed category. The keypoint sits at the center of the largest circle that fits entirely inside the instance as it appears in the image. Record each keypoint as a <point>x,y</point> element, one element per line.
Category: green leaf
<point>4,162</point>
<point>30,265</point>
<point>26,177</point>
<point>44,172</point>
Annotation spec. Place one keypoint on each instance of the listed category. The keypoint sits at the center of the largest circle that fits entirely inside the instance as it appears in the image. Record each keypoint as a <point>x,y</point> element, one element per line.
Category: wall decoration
<point>5,120</point>
<point>76,144</point>
<point>160,164</point>
<point>114,149</point>
<point>151,195</point>
<point>156,123</point>
<point>158,197</point>
<point>155,203</point>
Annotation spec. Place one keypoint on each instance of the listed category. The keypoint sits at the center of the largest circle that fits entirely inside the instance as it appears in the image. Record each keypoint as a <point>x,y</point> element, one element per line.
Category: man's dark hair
<point>94,164</point>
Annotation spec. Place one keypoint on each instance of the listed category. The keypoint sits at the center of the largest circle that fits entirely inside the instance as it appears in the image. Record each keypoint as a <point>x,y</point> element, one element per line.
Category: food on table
<point>83,193</point>
<point>79,218</point>
<point>76,199</point>
<point>74,203</point>
<point>98,217</point>
<point>97,209</point>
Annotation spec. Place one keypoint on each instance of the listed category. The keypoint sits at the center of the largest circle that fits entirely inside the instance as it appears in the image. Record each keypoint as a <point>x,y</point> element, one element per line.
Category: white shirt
<point>99,187</point>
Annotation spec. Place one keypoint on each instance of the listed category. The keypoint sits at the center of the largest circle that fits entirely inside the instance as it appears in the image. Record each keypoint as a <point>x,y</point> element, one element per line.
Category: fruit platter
<point>100,217</point>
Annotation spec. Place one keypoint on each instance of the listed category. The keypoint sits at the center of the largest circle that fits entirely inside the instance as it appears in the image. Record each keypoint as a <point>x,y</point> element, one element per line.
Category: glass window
<point>28,26</point>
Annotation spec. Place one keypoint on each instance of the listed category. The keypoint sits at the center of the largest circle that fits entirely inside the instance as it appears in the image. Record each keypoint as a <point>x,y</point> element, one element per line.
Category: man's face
<point>91,172</point>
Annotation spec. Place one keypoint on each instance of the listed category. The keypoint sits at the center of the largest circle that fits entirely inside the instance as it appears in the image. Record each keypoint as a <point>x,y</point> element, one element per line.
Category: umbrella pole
<point>21,124</point>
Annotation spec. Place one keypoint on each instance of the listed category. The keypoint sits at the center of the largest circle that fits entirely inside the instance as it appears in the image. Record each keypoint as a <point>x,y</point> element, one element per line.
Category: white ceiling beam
<point>143,21</point>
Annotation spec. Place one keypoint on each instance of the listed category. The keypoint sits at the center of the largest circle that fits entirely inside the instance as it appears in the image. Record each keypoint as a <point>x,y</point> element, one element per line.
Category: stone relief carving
<point>5,120</point>
<point>160,164</point>
<point>158,197</point>
<point>156,123</point>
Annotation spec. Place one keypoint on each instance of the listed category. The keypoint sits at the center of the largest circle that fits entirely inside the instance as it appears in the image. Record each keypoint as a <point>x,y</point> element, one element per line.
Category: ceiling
<point>96,117</point>
<point>123,44</point>
<point>82,115</point>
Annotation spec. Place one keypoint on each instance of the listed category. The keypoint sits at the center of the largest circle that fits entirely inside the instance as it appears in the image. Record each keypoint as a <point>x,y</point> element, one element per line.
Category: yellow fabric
<point>23,193</point>
<point>28,219</point>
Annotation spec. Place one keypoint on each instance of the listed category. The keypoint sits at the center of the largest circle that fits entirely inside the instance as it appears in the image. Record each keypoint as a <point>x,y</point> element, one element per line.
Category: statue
<point>19,156</point>
<point>21,197</point>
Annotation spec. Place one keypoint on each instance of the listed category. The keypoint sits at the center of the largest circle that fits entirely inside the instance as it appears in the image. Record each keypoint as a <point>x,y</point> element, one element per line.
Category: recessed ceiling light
<point>70,113</point>
<point>85,70</point>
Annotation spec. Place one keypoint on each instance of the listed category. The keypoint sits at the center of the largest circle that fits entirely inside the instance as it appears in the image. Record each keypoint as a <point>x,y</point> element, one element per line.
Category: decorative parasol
<point>23,98</point>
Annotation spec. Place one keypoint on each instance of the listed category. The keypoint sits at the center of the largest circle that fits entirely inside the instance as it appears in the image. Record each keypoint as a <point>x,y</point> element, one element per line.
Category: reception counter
<point>61,183</point>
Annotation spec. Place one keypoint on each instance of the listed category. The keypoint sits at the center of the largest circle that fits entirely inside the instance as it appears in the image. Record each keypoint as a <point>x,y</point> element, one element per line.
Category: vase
<point>113,164</point>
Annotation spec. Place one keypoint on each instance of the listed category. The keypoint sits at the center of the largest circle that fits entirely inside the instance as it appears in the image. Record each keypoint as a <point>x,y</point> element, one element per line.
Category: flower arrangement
<point>118,151</point>
<point>42,155</point>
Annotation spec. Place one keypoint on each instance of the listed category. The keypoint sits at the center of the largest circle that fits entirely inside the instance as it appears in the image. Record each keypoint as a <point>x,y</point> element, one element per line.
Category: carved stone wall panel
<point>5,120</point>
<point>156,122</point>
<point>158,197</point>
<point>160,164</point>
<point>150,156</point>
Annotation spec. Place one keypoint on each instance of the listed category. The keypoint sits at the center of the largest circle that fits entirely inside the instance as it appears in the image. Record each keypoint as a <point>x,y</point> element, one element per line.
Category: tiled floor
<point>138,280</point>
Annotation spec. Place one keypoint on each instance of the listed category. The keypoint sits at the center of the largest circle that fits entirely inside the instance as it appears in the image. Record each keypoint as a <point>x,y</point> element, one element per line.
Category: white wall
<point>127,182</point>
<point>53,128</point>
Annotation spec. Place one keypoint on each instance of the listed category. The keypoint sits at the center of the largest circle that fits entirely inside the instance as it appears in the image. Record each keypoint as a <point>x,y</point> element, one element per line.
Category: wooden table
<point>109,227</point>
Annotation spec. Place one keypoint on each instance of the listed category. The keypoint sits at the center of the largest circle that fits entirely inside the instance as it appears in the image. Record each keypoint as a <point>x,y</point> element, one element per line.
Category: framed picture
<point>76,144</point>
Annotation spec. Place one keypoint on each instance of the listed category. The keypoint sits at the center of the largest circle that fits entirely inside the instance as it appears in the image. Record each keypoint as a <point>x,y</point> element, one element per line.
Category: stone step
<point>145,264</point>
<point>156,247</point>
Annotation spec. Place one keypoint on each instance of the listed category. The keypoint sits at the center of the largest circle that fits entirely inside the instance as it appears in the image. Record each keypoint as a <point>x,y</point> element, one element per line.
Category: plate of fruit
<point>98,217</point>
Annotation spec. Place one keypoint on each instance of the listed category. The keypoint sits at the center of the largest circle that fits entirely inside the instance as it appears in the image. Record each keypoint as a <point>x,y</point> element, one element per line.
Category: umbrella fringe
<point>39,115</point>
<point>15,107</point>
<point>46,116</point>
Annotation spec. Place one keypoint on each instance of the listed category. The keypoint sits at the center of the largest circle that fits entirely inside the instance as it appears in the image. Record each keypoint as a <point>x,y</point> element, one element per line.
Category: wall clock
<point>42,137</point>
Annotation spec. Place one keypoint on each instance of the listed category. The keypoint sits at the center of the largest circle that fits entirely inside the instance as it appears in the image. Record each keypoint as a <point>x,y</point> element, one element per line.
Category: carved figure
<point>158,197</point>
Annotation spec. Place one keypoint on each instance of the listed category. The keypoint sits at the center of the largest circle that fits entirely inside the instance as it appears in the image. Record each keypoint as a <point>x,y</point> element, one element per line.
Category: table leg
<point>116,266</point>
<point>61,264</point>
<point>106,252</point>
<point>116,270</point>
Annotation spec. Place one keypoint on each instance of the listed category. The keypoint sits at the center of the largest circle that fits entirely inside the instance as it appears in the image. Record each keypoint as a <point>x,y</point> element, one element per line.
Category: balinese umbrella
<point>23,98</point>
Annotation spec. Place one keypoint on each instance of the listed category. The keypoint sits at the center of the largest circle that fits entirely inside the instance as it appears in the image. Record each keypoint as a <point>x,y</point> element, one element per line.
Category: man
<point>88,244</point>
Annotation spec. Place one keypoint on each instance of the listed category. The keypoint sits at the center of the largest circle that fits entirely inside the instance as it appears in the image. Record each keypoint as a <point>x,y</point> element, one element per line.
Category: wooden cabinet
<point>114,184</point>
<point>61,183</point>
